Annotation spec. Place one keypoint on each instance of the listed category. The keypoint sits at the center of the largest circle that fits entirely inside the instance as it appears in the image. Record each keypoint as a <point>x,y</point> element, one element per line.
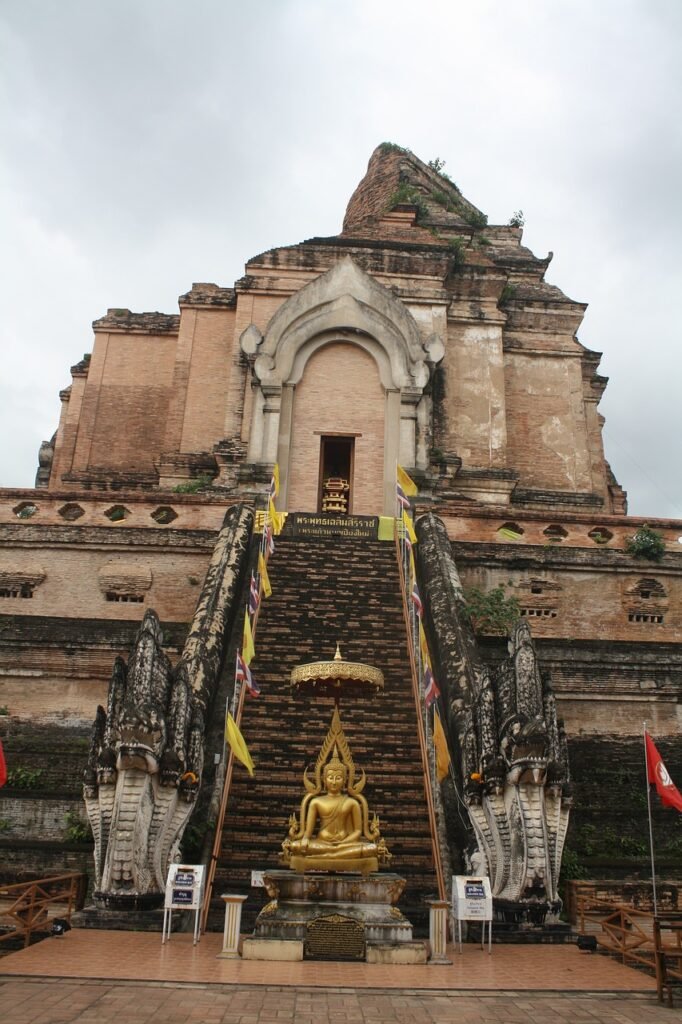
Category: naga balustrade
<point>25,907</point>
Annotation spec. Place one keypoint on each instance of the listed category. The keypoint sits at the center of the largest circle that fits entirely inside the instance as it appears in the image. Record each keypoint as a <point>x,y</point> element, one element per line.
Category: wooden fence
<point>28,907</point>
<point>635,936</point>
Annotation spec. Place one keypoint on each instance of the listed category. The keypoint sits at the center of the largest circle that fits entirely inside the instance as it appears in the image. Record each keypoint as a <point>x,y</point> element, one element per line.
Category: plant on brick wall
<point>392,147</point>
<point>475,218</point>
<point>193,840</point>
<point>77,830</point>
<point>491,611</point>
<point>192,486</point>
<point>517,219</point>
<point>408,195</point>
<point>4,710</point>
<point>456,246</point>
<point>24,778</point>
<point>5,825</point>
<point>646,543</point>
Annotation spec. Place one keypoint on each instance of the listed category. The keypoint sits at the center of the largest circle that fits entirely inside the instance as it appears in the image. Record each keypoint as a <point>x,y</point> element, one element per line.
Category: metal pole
<point>651,830</point>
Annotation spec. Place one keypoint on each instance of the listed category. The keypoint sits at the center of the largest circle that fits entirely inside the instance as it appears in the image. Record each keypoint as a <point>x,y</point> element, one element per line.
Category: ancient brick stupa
<point>419,337</point>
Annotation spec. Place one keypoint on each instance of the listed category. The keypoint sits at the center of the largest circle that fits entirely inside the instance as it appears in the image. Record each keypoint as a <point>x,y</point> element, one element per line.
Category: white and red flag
<point>243,675</point>
<point>657,774</point>
<point>254,596</point>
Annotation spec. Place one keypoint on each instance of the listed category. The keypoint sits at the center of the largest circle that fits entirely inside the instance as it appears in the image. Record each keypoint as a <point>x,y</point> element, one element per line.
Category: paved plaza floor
<point>106,977</point>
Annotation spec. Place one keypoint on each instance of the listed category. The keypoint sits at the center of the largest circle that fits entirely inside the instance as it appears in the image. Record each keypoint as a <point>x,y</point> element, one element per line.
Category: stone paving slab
<point>140,956</point>
<point>63,1001</point>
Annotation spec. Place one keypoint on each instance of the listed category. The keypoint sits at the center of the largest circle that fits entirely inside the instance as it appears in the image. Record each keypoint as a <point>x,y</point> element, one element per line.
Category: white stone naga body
<point>146,759</point>
<point>516,778</point>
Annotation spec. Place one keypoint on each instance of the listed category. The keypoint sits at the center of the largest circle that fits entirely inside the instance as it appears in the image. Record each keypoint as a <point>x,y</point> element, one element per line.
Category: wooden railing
<point>638,937</point>
<point>618,928</point>
<point>28,907</point>
<point>668,951</point>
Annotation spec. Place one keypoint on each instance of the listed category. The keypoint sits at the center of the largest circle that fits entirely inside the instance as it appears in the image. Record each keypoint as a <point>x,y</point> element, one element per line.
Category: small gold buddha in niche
<point>333,831</point>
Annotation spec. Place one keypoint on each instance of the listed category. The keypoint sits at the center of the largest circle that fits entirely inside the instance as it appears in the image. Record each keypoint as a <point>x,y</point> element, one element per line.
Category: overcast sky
<point>147,145</point>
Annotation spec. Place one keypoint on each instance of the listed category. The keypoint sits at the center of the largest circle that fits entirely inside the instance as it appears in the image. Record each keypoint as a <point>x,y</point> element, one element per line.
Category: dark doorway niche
<point>336,475</point>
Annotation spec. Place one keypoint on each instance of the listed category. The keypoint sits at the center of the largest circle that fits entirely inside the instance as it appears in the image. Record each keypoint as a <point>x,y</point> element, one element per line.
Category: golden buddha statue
<point>333,831</point>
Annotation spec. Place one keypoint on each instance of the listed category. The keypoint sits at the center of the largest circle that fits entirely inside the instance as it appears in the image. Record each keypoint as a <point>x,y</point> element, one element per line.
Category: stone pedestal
<point>327,916</point>
<point>232,929</point>
<point>438,930</point>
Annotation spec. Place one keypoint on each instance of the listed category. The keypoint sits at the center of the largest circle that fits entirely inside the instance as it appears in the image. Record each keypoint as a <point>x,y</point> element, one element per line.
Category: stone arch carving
<point>344,304</point>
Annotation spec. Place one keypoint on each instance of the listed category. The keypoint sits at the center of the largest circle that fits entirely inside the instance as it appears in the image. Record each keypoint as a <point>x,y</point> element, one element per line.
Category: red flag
<point>3,767</point>
<point>657,773</point>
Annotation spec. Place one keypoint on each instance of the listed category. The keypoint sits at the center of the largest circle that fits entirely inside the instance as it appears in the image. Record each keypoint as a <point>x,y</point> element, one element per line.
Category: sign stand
<point>184,891</point>
<point>472,901</point>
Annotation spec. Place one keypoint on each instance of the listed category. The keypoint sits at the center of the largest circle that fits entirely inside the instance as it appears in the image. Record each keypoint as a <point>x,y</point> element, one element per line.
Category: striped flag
<point>254,596</point>
<point>416,600</point>
<point>244,675</point>
<point>423,646</point>
<point>431,691</point>
<point>3,767</point>
<point>274,483</point>
<point>402,498</point>
<point>269,540</point>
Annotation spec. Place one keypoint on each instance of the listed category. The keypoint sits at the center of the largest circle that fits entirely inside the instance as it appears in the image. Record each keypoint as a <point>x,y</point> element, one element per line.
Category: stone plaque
<point>334,937</point>
<point>302,524</point>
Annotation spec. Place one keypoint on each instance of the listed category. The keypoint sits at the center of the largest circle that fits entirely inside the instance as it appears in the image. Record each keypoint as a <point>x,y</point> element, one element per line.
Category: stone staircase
<point>326,590</point>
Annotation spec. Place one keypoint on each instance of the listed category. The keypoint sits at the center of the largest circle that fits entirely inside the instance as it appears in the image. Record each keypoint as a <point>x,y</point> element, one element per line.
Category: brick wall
<point>546,430</point>
<point>123,417</point>
<point>210,371</point>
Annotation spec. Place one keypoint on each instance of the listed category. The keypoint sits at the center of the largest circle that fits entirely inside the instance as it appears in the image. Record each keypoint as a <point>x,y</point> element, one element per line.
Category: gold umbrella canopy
<point>337,678</point>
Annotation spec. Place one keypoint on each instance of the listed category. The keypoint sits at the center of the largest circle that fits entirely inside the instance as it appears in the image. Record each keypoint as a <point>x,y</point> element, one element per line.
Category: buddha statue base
<point>334,916</point>
<point>357,865</point>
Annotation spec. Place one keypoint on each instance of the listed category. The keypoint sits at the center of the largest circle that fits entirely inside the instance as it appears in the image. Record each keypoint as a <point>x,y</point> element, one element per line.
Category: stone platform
<point>333,916</point>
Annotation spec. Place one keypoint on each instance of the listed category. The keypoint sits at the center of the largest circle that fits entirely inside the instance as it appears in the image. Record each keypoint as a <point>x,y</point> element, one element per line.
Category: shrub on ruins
<point>491,611</point>
<point>77,830</point>
<point>646,543</point>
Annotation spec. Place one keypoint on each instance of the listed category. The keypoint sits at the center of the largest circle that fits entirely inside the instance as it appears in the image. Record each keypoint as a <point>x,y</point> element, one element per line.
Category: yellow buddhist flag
<point>248,649</point>
<point>236,743</point>
<point>413,569</point>
<point>263,573</point>
<point>406,482</point>
<point>441,745</point>
<point>409,528</point>
<point>275,518</point>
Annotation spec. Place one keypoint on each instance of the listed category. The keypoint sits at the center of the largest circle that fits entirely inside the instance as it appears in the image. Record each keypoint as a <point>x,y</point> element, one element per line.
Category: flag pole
<point>651,830</point>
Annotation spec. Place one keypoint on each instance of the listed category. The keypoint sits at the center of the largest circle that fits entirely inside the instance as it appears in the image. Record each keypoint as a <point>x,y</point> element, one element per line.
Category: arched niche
<point>343,305</point>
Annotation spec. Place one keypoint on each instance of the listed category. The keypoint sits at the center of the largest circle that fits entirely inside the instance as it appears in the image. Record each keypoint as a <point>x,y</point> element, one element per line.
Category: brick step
<point>326,591</point>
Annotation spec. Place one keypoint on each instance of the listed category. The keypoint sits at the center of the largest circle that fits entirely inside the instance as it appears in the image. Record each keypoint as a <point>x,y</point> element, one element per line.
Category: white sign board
<point>184,886</point>
<point>472,898</point>
<point>257,880</point>
<point>184,891</point>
